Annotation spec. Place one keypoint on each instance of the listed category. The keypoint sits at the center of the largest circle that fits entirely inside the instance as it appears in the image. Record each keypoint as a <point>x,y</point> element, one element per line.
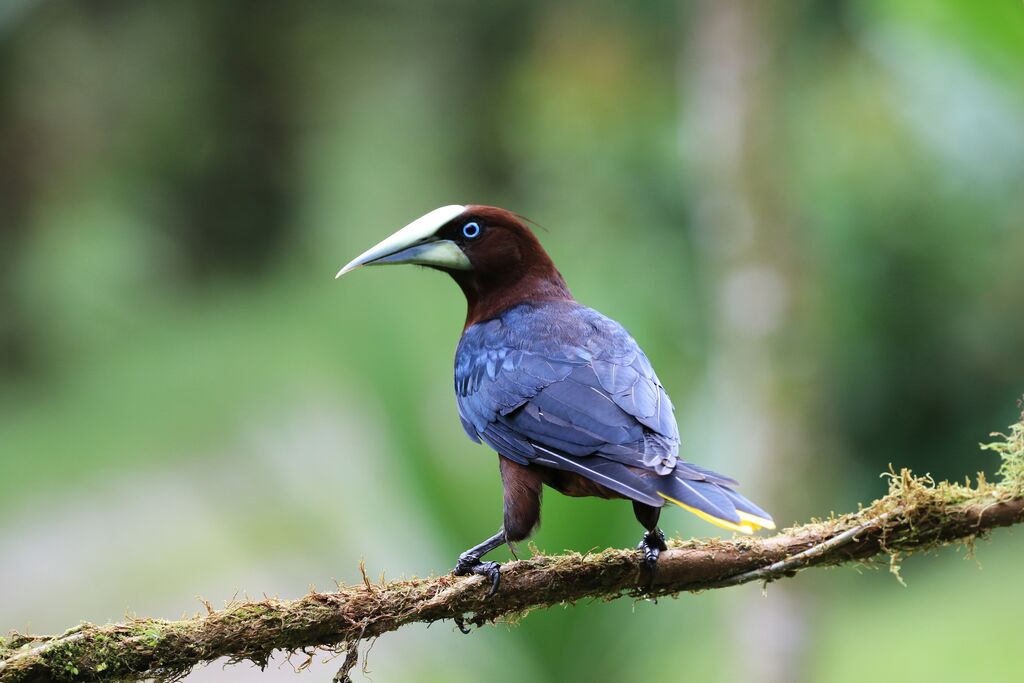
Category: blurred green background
<point>810,214</point>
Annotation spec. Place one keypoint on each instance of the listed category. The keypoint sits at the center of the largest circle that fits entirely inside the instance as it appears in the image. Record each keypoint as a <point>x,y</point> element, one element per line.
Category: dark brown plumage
<point>510,267</point>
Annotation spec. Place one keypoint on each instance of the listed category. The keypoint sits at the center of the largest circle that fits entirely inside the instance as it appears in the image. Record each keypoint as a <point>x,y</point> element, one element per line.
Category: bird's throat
<point>486,298</point>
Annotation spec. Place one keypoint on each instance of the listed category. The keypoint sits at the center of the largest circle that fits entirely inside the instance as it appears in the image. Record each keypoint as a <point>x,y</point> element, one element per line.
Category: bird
<point>562,393</point>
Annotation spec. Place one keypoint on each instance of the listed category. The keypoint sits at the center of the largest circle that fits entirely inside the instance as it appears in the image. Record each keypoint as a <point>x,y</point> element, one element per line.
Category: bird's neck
<point>487,298</point>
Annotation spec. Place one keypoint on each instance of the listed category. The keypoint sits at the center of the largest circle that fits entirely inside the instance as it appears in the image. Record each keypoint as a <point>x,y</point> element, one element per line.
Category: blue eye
<point>471,230</point>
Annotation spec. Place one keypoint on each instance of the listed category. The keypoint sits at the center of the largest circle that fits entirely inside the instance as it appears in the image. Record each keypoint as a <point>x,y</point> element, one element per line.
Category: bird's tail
<point>710,496</point>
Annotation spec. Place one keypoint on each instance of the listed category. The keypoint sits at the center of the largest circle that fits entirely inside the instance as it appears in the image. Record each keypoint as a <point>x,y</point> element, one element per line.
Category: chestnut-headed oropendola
<point>563,394</point>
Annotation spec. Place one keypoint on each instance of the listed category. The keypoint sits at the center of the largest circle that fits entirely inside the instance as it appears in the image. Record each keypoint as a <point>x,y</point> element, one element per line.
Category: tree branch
<point>915,515</point>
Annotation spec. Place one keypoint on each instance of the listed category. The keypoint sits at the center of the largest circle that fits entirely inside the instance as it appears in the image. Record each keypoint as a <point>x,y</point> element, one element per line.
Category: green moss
<point>62,660</point>
<point>84,658</point>
<point>1011,450</point>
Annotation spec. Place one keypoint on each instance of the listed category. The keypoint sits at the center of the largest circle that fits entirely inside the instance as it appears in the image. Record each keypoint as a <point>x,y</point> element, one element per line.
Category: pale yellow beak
<point>417,243</point>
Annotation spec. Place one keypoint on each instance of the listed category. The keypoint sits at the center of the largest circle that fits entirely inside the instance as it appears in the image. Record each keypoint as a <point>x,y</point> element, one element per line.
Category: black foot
<point>461,623</point>
<point>471,564</point>
<point>652,544</point>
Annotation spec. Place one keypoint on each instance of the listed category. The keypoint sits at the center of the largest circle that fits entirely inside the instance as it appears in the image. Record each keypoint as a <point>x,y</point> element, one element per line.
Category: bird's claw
<point>461,624</point>
<point>468,564</point>
<point>651,545</point>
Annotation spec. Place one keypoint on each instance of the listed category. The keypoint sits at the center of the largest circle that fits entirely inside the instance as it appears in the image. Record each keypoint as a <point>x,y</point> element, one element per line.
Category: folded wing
<point>562,386</point>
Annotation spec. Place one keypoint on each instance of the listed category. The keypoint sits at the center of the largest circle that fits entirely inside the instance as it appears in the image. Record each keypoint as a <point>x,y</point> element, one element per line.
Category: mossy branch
<point>916,514</point>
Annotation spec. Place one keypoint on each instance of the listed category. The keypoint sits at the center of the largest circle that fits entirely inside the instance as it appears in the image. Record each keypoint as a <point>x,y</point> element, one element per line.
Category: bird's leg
<point>470,563</point>
<point>522,488</point>
<point>653,541</point>
<point>652,544</point>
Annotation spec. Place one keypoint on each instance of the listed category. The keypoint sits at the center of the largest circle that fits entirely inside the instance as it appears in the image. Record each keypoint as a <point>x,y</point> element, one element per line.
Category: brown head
<point>495,259</point>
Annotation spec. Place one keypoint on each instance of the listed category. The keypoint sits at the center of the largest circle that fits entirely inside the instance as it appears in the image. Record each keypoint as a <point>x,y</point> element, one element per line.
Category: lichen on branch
<point>916,514</point>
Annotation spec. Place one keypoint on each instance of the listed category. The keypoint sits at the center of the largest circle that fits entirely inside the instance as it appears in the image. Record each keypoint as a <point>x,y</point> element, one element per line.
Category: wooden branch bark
<point>915,515</point>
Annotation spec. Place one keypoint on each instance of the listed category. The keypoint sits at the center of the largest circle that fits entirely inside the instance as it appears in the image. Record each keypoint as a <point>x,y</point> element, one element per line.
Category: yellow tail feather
<point>748,523</point>
<point>755,521</point>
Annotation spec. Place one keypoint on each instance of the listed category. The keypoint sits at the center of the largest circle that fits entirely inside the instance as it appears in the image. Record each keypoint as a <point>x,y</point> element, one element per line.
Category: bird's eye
<point>471,230</point>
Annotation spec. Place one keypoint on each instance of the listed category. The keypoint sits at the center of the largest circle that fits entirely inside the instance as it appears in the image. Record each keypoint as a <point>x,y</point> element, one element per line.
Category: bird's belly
<point>575,485</point>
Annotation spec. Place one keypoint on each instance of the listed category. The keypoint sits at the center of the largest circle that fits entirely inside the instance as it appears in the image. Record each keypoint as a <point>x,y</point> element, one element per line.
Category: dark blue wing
<point>560,385</point>
<point>565,378</point>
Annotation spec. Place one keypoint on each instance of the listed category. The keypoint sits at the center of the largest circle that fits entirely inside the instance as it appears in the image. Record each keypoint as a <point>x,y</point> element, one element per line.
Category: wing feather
<point>560,384</point>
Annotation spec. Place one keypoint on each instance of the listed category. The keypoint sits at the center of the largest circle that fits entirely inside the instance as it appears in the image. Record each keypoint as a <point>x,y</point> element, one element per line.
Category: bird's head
<point>490,252</point>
